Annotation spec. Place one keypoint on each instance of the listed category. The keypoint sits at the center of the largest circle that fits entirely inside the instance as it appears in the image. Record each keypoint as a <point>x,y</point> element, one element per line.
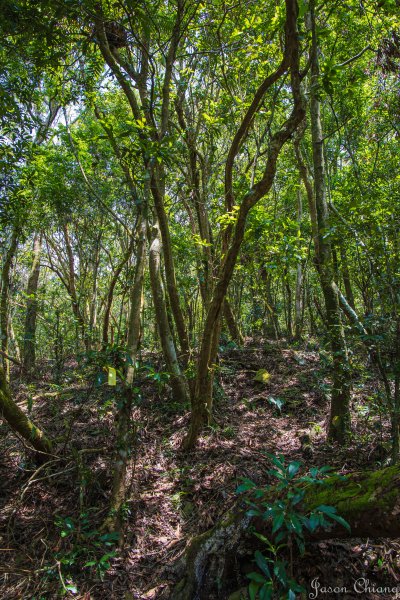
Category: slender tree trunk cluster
<point>168,192</point>
<point>32,308</point>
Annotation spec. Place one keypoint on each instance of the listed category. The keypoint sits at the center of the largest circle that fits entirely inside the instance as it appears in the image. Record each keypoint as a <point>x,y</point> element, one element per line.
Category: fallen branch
<point>62,392</point>
<point>11,358</point>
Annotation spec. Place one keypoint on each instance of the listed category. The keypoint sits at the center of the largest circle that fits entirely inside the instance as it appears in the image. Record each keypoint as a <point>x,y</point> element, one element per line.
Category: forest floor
<point>49,517</point>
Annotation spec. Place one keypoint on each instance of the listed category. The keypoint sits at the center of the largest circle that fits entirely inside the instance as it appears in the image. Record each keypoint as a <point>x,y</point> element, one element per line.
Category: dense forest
<point>200,299</point>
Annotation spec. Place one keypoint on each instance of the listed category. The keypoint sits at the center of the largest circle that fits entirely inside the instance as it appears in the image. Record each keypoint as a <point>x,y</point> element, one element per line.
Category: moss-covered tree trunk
<point>369,501</point>
<point>19,422</point>
<point>4,300</point>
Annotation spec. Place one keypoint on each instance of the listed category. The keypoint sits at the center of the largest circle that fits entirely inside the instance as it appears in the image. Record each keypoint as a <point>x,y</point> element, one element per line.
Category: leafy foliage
<point>289,523</point>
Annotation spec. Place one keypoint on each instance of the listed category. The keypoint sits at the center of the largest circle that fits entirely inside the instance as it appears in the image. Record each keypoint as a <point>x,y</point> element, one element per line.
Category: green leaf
<point>312,523</point>
<point>278,402</point>
<point>266,591</point>
<point>300,545</point>
<point>280,572</point>
<point>341,521</point>
<point>296,524</point>
<point>72,588</point>
<point>91,563</point>
<point>262,563</point>
<point>325,469</point>
<point>257,577</point>
<point>298,497</point>
<point>302,9</point>
<point>105,559</point>
<point>278,522</point>
<point>326,509</point>
<point>253,512</point>
<point>282,535</point>
<point>253,589</point>
<point>262,537</point>
<point>114,536</point>
<point>278,461</point>
<point>268,513</point>
<point>293,468</point>
<point>245,486</point>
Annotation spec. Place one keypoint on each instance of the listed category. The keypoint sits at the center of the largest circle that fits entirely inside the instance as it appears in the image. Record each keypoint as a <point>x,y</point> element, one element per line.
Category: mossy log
<point>369,501</point>
<point>19,422</point>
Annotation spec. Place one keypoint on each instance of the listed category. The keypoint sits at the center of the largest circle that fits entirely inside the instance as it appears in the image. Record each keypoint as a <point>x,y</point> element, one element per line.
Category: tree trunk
<point>13,340</point>
<point>31,309</point>
<point>80,321</point>
<point>298,306</point>
<point>393,400</point>
<point>20,423</point>
<point>4,300</point>
<point>158,196</point>
<point>272,319</point>
<point>234,233</point>
<point>346,276</point>
<point>141,107</point>
<point>110,293</point>
<point>368,501</point>
<point>124,429</point>
<point>339,421</point>
<point>177,379</point>
<point>287,293</point>
<point>198,198</point>
<point>233,327</point>
<point>93,299</point>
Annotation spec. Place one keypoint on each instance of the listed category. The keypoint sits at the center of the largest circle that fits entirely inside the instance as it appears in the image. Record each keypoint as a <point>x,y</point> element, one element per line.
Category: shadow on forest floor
<point>174,496</point>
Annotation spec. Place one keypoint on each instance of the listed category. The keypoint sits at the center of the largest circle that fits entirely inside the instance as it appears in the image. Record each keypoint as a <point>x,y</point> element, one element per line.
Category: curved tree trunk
<point>369,501</point>
<point>19,422</point>
<point>235,233</point>
<point>141,108</point>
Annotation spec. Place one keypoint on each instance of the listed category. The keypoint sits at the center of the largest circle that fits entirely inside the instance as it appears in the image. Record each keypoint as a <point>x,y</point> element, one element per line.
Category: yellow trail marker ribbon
<point>112,376</point>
